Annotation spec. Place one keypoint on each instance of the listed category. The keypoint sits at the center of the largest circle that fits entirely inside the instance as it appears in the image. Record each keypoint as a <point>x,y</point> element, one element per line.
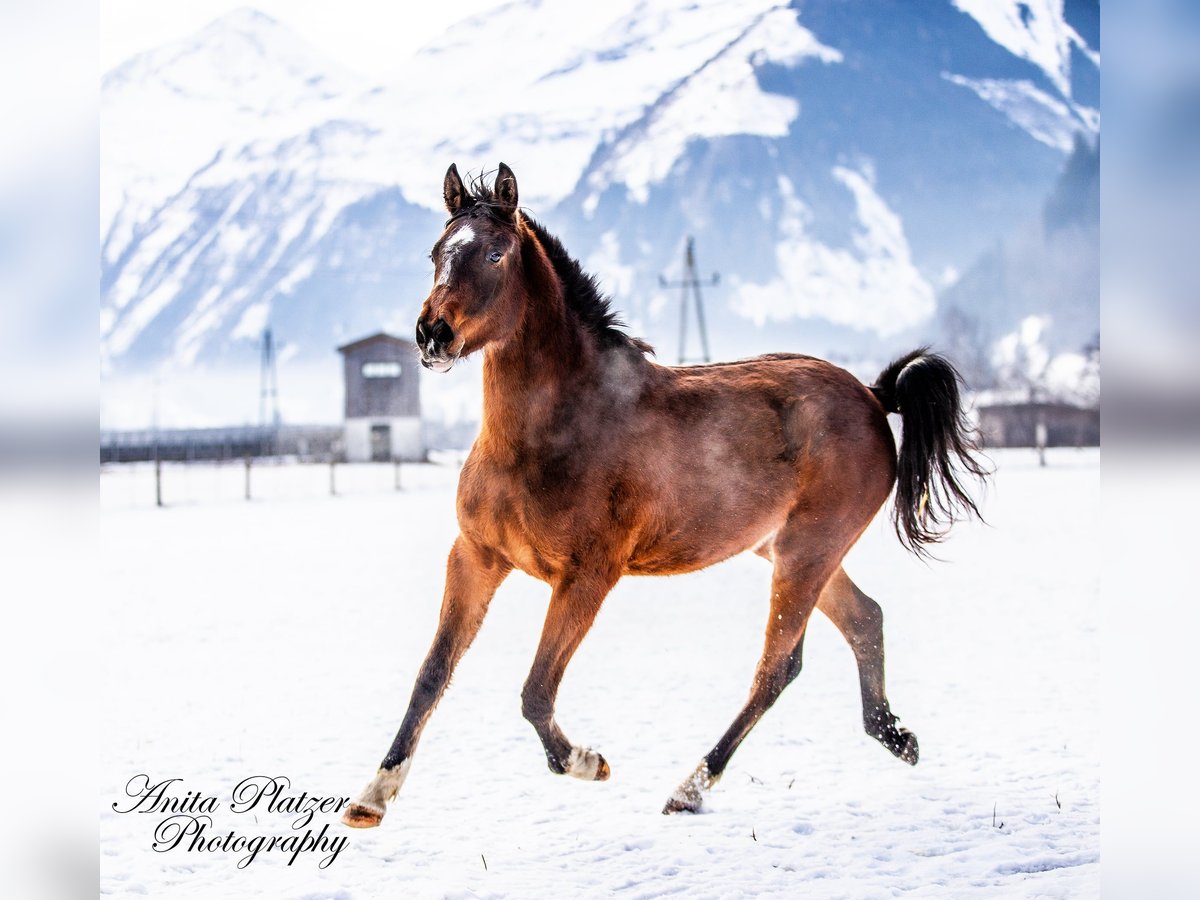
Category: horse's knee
<point>769,684</point>
<point>865,635</point>
<point>869,611</point>
<point>867,619</point>
<point>429,685</point>
<point>434,673</point>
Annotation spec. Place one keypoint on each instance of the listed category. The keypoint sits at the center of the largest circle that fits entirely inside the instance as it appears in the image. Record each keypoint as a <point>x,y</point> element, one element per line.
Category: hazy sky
<point>367,35</point>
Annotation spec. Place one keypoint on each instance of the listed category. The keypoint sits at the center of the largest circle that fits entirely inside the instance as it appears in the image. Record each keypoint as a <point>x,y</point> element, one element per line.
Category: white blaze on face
<point>451,249</point>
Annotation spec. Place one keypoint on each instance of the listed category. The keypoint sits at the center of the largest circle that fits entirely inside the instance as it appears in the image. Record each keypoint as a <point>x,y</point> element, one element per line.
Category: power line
<point>690,284</point>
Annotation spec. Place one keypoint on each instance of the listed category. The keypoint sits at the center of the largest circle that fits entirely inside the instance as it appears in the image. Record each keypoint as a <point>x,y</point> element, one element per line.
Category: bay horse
<point>595,462</point>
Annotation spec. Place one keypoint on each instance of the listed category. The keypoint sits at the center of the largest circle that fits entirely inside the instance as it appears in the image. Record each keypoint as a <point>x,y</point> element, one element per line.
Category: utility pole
<point>690,284</point>
<point>268,390</point>
<point>158,501</point>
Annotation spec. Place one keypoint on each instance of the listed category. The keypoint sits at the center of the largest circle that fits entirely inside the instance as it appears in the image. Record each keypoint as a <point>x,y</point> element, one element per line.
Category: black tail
<point>937,442</point>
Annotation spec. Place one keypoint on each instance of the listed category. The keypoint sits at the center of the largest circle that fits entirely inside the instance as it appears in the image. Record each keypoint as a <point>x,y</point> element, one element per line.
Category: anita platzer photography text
<point>547,450</point>
<point>188,820</point>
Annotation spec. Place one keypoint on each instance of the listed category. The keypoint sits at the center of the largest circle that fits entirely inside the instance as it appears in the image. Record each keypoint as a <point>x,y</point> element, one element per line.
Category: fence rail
<point>168,483</point>
<point>305,442</point>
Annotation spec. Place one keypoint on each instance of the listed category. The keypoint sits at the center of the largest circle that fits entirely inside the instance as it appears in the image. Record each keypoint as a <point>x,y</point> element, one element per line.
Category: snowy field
<point>281,637</point>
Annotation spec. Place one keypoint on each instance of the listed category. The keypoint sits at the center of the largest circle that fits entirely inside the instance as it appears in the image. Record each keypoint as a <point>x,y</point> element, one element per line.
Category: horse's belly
<point>616,519</point>
<point>702,542</point>
<point>676,558</point>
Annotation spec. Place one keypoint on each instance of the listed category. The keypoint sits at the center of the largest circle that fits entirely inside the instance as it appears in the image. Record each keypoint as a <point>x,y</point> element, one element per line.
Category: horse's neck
<point>540,367</point>
<point>522,386</point>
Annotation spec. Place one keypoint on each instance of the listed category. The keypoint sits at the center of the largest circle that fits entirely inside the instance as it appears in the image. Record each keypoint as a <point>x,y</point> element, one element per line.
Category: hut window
<point>381,370</point>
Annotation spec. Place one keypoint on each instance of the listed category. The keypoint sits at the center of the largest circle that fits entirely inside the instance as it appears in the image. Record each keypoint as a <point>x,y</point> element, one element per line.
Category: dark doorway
<point>381,443</point>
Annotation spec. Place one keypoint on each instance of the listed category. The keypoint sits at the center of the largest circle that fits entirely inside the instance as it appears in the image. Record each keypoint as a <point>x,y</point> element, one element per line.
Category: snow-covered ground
<point>281,637</point>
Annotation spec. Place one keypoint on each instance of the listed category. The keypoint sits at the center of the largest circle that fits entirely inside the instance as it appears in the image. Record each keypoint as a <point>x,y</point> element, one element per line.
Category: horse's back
<point>805,398</point>
<point>739,447</point>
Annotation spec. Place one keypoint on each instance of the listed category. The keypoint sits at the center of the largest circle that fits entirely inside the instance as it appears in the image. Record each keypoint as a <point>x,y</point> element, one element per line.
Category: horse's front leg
<point>573,607</point>
<point>472,576</point>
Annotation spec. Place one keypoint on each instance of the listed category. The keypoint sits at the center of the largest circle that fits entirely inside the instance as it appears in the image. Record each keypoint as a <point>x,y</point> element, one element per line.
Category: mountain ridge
<point>781,161</point>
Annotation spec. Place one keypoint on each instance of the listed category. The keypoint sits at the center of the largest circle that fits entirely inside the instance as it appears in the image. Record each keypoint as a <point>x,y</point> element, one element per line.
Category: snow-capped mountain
<point>836,162</point>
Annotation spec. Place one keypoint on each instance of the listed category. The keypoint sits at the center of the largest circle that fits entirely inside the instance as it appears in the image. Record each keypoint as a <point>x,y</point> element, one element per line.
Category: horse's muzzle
<point>434,340</point>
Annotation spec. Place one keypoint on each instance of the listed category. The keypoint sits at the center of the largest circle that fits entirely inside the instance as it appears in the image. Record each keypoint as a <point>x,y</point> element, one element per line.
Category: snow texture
<point>1037,32</point>
<point>246,179</point>
<point>876,288</point>
<point>243,172</point>
<point>1046,119</point>
<point>1034,30</point>
<point>722,97</point>
<point>282,637</point>
<point>274,142</point>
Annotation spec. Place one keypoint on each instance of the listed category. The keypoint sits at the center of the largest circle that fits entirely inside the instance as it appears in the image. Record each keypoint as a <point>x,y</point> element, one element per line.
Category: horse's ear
<point>453,191</point>
<point>506,190</point>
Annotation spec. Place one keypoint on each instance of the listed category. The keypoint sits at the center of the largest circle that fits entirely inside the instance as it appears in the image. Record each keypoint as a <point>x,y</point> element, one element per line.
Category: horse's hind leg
<point>472,576</point>
<point>573,607</point>
<point>801,569</point>
<point>860,620</point>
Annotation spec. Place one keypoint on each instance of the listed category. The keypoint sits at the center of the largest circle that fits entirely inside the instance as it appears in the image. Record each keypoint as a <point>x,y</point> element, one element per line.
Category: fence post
<point>396,461</point>
<point>332,479</point>
<point>157,477</point>
<point>247,476</point>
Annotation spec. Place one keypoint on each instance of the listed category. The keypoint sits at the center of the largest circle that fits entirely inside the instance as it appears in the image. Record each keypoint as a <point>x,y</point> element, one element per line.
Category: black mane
<point>580,290</point>
<point>583,295</point>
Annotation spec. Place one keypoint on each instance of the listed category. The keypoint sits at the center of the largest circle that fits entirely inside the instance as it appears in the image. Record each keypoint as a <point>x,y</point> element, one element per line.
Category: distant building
<point>1016,425</point>
<point>383,399</point>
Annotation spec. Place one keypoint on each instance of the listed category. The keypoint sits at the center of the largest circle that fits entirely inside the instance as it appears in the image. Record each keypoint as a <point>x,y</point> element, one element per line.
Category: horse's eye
<point>495,256</point>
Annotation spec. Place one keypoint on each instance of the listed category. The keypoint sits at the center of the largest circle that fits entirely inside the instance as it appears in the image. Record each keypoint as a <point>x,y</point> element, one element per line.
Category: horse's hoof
<point>586,765</point>
<point>358,816</point>
<point>678,803</point>
<point>901,742</point>
<point>689,796</point>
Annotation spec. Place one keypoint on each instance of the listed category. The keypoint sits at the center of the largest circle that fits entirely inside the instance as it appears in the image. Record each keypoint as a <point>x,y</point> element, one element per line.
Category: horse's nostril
<point>442,333</point>
<point>422,334</point>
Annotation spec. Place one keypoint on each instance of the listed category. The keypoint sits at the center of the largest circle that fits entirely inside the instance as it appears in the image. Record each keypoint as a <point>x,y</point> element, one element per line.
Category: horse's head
<point>475,300</point>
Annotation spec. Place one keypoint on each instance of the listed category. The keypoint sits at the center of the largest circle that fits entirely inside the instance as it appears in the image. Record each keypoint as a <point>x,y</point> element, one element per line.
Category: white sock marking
<point>583,764</point>
<point>690,794</point>
<point>383,787</point>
